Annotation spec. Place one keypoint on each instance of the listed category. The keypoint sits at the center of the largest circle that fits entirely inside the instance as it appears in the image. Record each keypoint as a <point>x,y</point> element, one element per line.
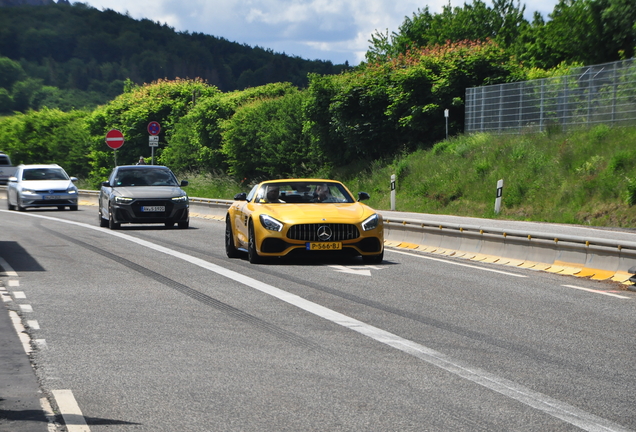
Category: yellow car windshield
<point>303,192</point>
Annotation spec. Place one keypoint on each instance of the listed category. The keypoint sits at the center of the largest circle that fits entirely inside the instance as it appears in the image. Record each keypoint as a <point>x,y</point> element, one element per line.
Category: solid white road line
<point>455,263</point>
<point>567,413</point>
<point>596,291</point>
<point>70,410</point>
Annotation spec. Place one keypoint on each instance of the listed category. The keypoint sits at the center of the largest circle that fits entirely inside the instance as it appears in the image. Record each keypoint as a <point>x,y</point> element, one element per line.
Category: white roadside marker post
<point>498,199</point>
<point>392,192</point>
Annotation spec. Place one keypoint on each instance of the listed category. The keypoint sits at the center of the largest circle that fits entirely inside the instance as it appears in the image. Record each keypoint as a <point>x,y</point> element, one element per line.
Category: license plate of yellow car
<point>324,246</point>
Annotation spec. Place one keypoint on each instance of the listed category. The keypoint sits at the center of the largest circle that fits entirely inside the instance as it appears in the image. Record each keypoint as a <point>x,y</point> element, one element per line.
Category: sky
<point>335,30</point>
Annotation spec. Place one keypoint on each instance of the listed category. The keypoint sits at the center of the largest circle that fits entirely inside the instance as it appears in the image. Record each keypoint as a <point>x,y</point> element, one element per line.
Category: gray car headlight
<point>270,223</point>
<point>71,191</point>
<point>182,198</point>
<point>28,192</point>
<point>371,222</point>
<point>123,200</point>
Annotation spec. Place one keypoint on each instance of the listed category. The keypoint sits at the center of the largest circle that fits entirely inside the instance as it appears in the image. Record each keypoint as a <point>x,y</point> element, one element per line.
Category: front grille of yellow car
<point>309,232</point>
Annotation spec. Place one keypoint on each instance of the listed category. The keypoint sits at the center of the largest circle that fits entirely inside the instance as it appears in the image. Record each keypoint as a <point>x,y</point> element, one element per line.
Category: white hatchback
<point>41,186</point>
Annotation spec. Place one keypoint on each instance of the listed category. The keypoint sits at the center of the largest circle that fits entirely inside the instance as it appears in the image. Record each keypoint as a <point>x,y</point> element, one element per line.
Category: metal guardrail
<point>596,258</point>
<point>593,257</point>
<point>423,226</point>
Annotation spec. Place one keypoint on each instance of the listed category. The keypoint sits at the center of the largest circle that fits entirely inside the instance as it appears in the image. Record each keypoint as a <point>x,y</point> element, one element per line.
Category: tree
<point>10,72</point>
<point>265,139</point>
<point>619,26</point>
<point>196,143</point>
<point>164,101</point>
<point>502,23</point>
<point>581,31</point>
<point>47,136</point>
<point>6,101</point>
<point>384,108</point>
<point>24,93</point>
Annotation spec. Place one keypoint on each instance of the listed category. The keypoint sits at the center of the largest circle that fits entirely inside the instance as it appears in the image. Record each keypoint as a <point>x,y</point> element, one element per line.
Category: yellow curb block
<point>603,275</point>
<point>407,245</point>
<point>559,267</point>
<point>621,276</point>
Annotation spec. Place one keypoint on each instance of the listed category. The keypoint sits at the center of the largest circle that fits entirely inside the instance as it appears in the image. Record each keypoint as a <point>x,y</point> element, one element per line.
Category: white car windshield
<point>44,174</point>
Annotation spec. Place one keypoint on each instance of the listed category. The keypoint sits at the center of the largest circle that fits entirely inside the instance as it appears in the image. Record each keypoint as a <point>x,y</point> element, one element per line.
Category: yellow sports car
<point>279,217</point>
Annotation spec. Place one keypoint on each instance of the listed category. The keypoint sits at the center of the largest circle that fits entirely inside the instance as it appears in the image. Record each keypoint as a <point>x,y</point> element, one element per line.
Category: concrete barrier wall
<point>594,258</point>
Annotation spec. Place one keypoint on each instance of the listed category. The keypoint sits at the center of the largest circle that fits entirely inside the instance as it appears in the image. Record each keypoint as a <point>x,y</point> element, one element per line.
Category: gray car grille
<point>309,232</point>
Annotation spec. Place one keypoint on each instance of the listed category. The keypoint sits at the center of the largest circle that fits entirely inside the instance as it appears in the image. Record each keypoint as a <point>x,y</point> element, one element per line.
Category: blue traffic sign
<point>154,128</point>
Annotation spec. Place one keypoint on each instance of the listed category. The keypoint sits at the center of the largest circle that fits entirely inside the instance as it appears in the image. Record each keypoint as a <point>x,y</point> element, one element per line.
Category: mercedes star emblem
<point>324,232</point>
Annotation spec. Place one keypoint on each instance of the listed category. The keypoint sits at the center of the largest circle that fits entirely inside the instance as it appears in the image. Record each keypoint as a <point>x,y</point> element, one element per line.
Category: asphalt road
<point>154,329</point>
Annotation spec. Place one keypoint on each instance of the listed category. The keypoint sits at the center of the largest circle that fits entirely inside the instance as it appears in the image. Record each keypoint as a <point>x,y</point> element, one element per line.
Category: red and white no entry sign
<point>114,139</point>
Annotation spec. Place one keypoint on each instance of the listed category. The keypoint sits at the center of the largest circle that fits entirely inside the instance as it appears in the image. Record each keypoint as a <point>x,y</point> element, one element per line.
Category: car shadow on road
<point>18,258</point>
<point>312,259</point>
<point>156,227</point>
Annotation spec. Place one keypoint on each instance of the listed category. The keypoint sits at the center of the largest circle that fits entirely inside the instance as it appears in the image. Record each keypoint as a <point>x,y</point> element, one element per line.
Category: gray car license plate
<point>153,209</point>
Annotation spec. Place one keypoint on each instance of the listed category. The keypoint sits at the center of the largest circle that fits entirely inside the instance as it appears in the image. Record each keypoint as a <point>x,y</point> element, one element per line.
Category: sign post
<point>153,140</point>
<point>114,140</point>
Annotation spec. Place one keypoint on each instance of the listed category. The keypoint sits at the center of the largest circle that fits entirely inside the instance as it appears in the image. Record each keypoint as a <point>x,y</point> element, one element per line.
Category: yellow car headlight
<point>371,222</point>
<point>270,223</point>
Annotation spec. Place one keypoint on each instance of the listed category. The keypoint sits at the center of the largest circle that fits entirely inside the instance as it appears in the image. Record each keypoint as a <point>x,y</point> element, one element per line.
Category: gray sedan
<point>143,194</point>
<point>41,186</point>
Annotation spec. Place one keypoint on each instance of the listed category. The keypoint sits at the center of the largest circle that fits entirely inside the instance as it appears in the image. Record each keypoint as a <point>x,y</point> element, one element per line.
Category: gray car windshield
<point>44,174</point>
<point>145,177</point>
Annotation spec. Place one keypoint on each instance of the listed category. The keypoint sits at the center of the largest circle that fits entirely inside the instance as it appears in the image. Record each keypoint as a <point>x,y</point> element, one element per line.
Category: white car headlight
<point>28,192</point>
<point>371,222</point>
<point>270,223</point>
<point>123,200</point>
<point>71,190</point>
<point>182,198</point>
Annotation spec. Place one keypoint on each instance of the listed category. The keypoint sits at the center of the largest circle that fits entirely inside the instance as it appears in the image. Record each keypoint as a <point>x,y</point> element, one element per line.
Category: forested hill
<point>91,52</point>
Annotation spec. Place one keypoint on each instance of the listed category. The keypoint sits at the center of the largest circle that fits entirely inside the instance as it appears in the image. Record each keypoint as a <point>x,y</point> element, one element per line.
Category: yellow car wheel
<point>230,248</point>
<point>252,255</point>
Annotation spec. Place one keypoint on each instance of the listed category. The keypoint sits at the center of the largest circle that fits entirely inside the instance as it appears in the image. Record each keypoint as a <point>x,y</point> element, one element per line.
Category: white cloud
<point>335,30</point>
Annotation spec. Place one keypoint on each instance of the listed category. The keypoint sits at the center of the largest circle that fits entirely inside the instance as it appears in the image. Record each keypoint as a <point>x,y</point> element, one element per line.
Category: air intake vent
<point>309,232</point>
